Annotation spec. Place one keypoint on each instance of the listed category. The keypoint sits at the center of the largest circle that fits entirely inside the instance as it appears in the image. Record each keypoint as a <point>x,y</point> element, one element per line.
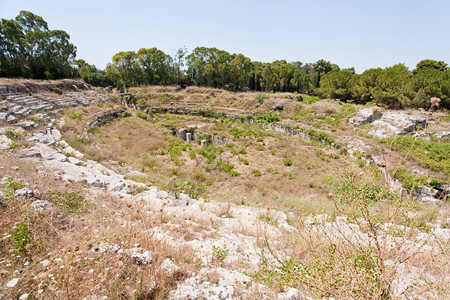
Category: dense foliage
<point>29,49</point>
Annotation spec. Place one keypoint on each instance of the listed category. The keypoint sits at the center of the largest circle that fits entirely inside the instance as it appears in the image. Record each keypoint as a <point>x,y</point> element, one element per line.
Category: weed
<point>72,202</point>
<point>220,253</point>
<point>200,176</point>
<point>234,173</point>
<point>10,186</point>
<point>21,237</point>
<point>287,162</point>
<point>256,173</point>
<point>260,98</point>
<point>224,166</point>
<point>74,115</point>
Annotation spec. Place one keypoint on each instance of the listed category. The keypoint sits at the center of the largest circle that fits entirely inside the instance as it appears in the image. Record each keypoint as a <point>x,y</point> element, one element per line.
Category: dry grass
<point>145,147</point>
<point>68,241</point>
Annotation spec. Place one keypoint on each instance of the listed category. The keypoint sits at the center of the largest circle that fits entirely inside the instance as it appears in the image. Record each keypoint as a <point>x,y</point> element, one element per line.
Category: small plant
<point>234,173</point>
<point>11,133</point>
<point>200,176</point>
<point>10,186</point>
<point>256,173</point>
<point>72,202</point>
<point>220,253</point>
<point>287,162</point>
<point>260,98</point>
<point>198,262</point>
<point>74,115</point>
<point>224,166</point>
<point>192,154</point>
<point>21,237</point>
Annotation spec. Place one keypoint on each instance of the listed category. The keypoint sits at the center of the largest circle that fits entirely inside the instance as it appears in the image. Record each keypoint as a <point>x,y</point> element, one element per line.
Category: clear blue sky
<point>362,34</point>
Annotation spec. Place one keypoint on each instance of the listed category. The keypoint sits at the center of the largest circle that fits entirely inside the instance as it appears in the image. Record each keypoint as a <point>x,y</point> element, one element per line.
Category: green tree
<point>30,49</point>
<point>430,64</point>
<point>338,84</point>
<point>155,66</point>
<point>124,70</point>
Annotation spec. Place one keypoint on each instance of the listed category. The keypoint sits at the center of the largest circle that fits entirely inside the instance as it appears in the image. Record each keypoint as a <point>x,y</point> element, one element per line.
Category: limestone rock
<point>4,142</point>
<point>442,134</point>
<point>395,123</point>
<point>41,205</point>
<point>27,193</point>
<point>13,282</point>
<point>168,266</point>
<point>140,256</point>
<point>364,116</point>
<point>212,283</point>
<point>27,125</point>
<point>292,294</point>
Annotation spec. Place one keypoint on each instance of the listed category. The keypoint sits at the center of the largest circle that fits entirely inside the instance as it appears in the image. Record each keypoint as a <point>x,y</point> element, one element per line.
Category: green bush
<point>72,202</point>
<point>312,99</point>
<point>224,166</point>
<point>260,97</point>
<point>200,176</point>
<point>21,237</point>
<point>75,115</point>
<point>234,173</point>
<point>256,173</point>
<point>287,162</point>
<point>430,154</point>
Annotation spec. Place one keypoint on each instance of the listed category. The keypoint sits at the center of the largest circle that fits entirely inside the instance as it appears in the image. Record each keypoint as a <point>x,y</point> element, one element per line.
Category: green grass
<point>75,115</point>
<point>410,181</point>
<point>72,202</point>
<point>432,155</point>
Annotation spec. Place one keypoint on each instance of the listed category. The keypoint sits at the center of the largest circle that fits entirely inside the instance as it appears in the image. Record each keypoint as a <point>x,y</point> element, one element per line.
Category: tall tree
<point>30,49</point>
<point>430,64</point>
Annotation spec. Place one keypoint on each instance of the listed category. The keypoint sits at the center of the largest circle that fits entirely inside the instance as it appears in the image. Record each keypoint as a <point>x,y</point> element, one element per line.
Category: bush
<point>75,115</point>
<point>287,162</point>
<point>234,173</point>
<point>260,98</point>
<point>312,99</point>
<point>224,166</point>
<point>72,202</point>
<point>21,237</point>
<point>257,173</point>
<point>200,176</point>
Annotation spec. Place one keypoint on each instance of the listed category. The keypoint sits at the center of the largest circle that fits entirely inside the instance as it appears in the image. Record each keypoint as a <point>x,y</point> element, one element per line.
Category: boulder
<point>442,134</point>
<point>168,266</point>
<point>140,256</point>
<point>280,105</point>
<point>27,125</point>
<point>365,115</point>
<point>41,205</point>
<point>27,193</point>
<point>4,142</point>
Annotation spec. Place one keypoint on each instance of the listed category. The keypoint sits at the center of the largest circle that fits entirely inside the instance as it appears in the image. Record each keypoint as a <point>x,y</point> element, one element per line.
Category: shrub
<point>10,186</point>
<point>21,237</point>
<point>287,162</point>
<point>224,166</point>
<point>257,173</point>
<point>312,99</point>
<point>75,115</point>
<point>234,173</point>
<point>220,253</point>
<point>260,97</point>
<point>200,176</point>
<point>269,118</point>
<point>72,202</point>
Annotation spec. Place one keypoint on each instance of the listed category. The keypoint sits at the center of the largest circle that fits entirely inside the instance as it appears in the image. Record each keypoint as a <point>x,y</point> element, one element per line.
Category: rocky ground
<point>220,248</point>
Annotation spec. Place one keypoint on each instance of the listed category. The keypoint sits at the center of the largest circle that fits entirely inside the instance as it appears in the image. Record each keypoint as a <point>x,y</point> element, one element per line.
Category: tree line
<point>29,49</point>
